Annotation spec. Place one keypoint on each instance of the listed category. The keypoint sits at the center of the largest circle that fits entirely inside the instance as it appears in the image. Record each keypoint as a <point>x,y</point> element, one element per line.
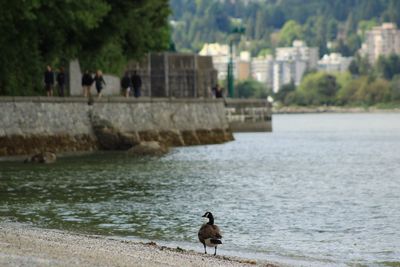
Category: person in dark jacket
<point>126,84</point>
<point>49,81</point>
<point>219,92</point>
<point>61,82</point>
<point>136,83</point>
<point>87,82</point>
<point>99,82</point>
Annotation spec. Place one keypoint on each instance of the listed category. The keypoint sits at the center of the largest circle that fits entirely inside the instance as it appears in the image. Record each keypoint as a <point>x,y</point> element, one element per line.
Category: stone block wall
<point>34,124</point>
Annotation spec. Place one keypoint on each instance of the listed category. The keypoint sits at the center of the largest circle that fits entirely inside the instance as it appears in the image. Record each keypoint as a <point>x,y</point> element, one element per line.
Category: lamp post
<point>231,78</point>
<point>236,31</point>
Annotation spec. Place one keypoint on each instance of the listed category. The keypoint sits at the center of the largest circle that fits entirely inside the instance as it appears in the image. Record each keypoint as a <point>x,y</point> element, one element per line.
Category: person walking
<point>99,82</point>
<point>61,82</point>
<point>49,81</point>
<point>87,82</point>
<point>137,84</point>
<point>126,84</point>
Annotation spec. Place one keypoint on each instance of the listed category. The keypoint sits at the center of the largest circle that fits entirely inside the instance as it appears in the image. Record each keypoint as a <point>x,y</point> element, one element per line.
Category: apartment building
<point>262,70</point>
<point>299,51</point>
<point>288,71</point>
<point>381,40</point>
<point>289,65</point>
<point>334,62</point>
<point>292,62</point>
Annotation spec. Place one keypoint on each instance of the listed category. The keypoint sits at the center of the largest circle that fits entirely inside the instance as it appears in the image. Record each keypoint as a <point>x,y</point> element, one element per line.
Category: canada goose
<point>209,234</point>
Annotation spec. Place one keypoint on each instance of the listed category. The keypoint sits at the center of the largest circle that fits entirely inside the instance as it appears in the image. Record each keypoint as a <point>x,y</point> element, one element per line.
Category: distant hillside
<point>272,23</point>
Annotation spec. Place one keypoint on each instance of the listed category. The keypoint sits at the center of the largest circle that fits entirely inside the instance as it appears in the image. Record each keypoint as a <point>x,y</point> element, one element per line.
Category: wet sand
<point>23,245</point>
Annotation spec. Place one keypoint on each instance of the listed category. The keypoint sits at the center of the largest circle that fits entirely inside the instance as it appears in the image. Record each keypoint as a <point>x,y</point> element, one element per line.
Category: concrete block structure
<point>177,75</point>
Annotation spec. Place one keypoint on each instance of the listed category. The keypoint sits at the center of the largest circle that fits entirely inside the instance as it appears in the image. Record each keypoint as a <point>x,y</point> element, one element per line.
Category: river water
<point>321,190</point>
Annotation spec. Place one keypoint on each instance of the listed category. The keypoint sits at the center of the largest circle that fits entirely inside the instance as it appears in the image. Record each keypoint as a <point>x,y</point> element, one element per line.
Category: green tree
<point>290,32</point>
<point>319,88</point>
<point>251,89</point>
<point>360,66</point>
<point>395,88</point>
<point>388,67</point>
<point>375,92</point>
<point>101,33</point>
<point>283,92</point>
<point>348,94</point>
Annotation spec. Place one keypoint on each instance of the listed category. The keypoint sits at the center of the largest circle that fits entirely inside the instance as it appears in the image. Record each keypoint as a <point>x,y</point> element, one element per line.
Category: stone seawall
<point>33,124</point>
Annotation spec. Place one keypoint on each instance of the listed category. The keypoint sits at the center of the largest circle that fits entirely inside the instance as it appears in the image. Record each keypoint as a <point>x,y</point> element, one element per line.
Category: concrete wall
<point>249,115</point>
<point>34,124</point>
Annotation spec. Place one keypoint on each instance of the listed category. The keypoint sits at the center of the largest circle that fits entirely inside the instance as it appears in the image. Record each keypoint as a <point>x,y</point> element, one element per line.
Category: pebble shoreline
<point>24,245</point>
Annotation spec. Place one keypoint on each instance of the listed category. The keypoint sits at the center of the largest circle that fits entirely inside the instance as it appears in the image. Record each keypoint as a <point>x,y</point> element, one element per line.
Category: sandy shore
<point>23,245</point>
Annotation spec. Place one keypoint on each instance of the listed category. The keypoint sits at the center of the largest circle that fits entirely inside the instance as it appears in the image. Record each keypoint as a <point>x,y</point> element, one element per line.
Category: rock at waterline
<point>151,148</point>
<point>43,157</point>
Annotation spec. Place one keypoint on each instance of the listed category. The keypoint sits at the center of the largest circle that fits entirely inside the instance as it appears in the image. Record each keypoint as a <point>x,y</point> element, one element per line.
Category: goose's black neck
<point>210,220</point>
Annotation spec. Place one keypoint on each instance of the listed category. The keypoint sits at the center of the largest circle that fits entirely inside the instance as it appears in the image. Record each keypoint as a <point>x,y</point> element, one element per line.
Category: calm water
<point>320,190</point>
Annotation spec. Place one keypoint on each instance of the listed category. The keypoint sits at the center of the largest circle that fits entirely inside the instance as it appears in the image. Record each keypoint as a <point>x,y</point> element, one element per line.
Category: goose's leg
<point>205,249</point>
<point>215,252</point>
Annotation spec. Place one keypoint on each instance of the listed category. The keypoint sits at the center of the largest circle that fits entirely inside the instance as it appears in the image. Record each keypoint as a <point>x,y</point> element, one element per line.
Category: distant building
<point>241,66</point>
<point>262,70</point>
<point>220,57</point>
<point>289,65</point>
<point>334,62</point>
<point>381,40</point>
<point>299,51</point>
<point>287,71</point>
<point>292,62</point>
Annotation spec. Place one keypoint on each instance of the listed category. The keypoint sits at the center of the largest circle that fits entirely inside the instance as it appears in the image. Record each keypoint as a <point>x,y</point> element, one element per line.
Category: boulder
<point>150,148</point>
<point>128,140</point>
<point>108,137</point>
<point>43,157</point>
<point>111,138</point>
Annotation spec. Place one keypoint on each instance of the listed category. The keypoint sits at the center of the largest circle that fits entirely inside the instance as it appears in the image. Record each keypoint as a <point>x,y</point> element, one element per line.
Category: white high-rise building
<point>286,71</point>
<point>381,40</point>
<point>262,70</point>
<point>292,62</point>
<point>299,51</point>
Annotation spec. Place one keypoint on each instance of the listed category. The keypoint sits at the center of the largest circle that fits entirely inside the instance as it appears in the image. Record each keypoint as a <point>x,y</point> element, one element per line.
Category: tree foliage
<point>318,22</point>
<point>319,88</point>
<point>101,33</point>
<point>251,89</point>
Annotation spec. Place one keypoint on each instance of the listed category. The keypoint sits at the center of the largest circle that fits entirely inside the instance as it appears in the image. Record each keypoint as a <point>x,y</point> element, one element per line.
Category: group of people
<point>88,80</point>
<point>49,81</point>
<point>129,83</point>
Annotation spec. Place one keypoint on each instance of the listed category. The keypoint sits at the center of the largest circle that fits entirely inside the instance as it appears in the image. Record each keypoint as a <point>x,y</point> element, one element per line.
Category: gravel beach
<point>23,245</point>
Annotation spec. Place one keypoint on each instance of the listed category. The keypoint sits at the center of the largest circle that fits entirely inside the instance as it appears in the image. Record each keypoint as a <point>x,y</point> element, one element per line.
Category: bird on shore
<point>209,233</point>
